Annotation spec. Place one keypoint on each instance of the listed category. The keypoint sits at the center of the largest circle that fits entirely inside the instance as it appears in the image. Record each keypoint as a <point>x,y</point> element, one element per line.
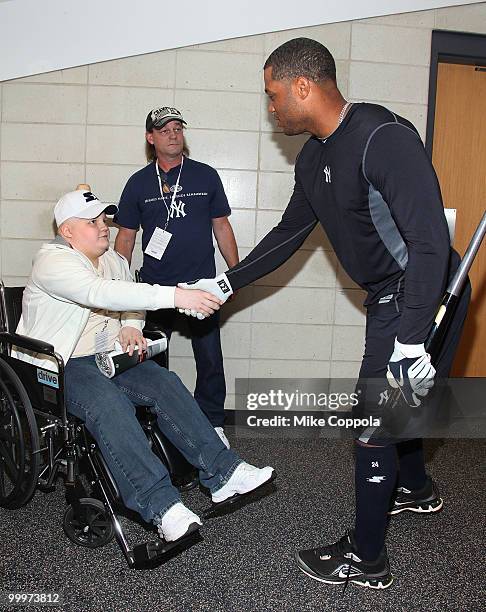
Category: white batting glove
<point>219,286</point>
<point>411,371</point>
<point>192,313</point>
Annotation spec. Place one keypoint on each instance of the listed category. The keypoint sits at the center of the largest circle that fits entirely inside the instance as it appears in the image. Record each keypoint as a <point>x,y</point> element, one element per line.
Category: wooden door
<point>459,158</point>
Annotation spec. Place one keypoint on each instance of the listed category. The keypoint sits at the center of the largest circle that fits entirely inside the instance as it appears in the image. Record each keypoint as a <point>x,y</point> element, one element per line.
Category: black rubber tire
<point>19,441</point>
<point>94,529</point>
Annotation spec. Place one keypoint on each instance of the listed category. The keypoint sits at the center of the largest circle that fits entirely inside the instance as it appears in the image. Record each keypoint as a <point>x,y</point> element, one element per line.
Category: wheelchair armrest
<point>31,344</point>
<point>152,332</point>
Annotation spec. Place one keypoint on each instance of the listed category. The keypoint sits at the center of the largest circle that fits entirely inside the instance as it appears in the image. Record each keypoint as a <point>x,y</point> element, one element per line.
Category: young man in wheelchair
<point>81,299</point>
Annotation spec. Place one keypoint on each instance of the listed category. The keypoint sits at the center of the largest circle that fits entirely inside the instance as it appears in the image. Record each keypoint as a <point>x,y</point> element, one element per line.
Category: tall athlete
<point>365,176</point>
<point>180,203</point>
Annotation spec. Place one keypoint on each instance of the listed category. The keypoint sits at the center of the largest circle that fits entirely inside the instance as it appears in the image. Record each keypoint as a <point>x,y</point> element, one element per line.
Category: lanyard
<point>162,191</point>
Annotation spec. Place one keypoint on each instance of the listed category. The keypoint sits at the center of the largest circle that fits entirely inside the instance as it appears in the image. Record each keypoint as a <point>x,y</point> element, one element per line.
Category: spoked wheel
<point>19,441</point>
<point>92,527</point>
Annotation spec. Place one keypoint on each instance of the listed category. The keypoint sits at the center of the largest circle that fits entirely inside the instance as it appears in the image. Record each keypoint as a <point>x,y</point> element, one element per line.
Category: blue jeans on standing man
<point>107,407</point>
<point>210,391</point>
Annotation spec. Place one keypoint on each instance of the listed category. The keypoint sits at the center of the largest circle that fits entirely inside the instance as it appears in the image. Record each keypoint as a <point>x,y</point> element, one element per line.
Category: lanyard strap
<point>162,191</point>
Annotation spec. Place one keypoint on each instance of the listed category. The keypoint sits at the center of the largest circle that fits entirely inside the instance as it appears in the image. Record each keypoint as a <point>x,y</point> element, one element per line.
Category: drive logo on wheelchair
<point>47,378</point>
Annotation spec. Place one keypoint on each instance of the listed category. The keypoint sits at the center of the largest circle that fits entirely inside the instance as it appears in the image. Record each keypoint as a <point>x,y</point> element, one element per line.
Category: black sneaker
<point>423,501</point>
<point>339,564</point>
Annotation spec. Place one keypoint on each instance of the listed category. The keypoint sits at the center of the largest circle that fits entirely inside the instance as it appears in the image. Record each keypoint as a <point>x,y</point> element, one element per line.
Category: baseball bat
<point>452,295</point>
<point>444,315</point>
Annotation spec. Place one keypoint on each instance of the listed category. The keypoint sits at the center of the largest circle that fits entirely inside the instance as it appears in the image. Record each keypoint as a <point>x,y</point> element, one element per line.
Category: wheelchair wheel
<point>92,528</point>
<point>19,441</point>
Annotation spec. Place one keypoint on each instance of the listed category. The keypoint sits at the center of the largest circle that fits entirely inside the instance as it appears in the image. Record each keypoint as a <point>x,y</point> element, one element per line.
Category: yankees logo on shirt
<point>177,209</point>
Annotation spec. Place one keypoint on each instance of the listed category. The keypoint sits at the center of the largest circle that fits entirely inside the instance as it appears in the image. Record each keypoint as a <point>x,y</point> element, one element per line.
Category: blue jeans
<point>107,407</point>
<point>210,391</point>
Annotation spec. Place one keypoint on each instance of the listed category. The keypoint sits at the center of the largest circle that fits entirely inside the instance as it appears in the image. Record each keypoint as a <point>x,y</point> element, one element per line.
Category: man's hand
<point>219,287</point>
<point>195,302</point>
<point>130,338</point>
<point>410,370</point>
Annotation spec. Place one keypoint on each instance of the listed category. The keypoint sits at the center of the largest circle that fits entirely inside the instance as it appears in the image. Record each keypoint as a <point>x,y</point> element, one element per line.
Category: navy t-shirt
<point>200,198</point>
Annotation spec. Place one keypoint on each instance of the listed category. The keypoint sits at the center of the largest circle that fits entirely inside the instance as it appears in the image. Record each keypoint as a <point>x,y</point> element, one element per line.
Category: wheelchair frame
<point>38,443</point>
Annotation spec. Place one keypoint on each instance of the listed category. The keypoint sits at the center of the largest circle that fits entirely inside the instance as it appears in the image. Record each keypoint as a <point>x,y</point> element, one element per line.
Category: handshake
<point>204,296</point>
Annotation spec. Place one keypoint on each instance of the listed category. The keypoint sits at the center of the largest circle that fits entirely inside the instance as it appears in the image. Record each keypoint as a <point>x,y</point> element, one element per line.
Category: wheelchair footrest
<point>156,552</point>
<point>239,501</point>
<point>44,487</point>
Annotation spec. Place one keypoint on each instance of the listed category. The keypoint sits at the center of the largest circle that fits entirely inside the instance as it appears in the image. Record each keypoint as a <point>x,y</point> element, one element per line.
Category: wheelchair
<point>40,441</point>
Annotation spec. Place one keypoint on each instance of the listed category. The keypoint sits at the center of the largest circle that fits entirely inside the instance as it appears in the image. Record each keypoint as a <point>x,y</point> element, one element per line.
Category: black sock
<point>411,465</point>
<point>375,479</point>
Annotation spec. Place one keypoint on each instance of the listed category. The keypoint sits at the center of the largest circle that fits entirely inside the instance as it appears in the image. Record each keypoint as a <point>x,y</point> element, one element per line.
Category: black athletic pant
<point>376,468</point>
<point>382,325</point>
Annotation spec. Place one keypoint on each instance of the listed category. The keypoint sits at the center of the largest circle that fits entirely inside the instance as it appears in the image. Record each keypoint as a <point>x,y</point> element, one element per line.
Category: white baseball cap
<point>81,204</point>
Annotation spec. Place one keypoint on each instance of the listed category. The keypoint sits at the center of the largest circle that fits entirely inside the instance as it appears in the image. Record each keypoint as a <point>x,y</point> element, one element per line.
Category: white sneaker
<point>244,479</point>
<point>222,435</point>
<point>176,522</point>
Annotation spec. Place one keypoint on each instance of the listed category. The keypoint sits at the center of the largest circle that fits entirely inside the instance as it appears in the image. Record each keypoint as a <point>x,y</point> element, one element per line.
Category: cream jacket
<point>64,286</point>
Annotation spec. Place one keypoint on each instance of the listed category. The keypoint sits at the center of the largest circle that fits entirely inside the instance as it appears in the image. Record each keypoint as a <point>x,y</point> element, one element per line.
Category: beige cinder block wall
<point>86,125</point>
